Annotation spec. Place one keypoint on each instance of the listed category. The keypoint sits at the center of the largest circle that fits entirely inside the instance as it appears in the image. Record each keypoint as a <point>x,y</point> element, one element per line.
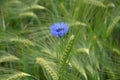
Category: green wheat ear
<point>8,58</point>
<point>44,63</point>
<point>66,56</point>
<point>112,26</point>
<point>23,41</point>
<point>95,2</point>
<point>18,75</point>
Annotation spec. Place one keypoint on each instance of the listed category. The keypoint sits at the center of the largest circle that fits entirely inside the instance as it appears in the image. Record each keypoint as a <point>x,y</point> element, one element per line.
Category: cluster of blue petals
<point>59,29</point>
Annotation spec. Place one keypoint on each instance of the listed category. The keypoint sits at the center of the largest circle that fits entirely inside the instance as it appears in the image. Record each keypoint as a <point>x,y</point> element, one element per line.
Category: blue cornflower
<point>59,29</point>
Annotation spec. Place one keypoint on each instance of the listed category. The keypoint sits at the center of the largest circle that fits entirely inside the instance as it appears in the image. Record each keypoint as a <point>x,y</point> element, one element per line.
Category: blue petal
<point>65,27</point>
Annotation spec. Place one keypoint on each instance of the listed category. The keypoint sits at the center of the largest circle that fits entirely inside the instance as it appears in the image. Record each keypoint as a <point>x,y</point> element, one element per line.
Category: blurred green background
<point>90,51</point>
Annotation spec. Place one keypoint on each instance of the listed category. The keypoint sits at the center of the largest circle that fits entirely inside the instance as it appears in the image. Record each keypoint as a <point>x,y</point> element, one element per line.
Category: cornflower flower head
<point>59,29</point>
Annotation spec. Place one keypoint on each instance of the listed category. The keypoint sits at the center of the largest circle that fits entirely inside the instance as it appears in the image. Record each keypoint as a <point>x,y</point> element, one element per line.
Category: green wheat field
<point>59,39</point>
